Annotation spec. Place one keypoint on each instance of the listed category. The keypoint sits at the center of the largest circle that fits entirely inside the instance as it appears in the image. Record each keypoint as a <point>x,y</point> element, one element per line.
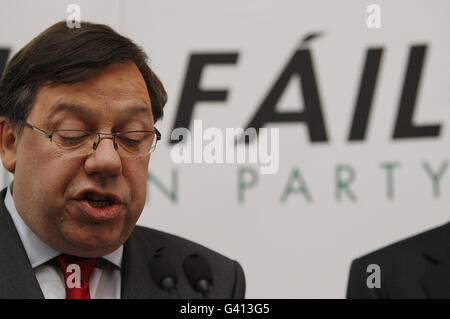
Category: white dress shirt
<point>105,279</point>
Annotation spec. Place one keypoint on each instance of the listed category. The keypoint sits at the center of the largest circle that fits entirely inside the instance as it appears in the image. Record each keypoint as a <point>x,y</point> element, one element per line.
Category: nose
<point>104,160</point>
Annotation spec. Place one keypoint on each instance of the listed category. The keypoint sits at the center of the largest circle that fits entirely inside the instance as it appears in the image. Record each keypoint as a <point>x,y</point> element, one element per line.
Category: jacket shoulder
<point>163,240</point>
<point>401,265</point>
<point>410,247</point>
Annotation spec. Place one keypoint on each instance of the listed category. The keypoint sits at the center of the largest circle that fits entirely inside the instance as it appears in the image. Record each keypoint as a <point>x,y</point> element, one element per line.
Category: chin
<point>93,244</point>
<point>89,250</point>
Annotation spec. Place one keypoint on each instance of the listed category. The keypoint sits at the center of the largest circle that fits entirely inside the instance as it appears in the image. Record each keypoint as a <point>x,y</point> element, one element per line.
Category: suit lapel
<point>136,279</point>
<point>436,282</point>
<point>17,278</point>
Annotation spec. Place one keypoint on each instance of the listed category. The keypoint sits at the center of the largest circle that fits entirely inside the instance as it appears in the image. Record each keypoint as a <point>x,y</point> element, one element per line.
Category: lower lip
<point>102,214</point>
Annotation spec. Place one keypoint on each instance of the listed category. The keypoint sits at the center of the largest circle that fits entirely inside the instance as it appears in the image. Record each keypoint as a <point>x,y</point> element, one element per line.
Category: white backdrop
<point>296,248</point>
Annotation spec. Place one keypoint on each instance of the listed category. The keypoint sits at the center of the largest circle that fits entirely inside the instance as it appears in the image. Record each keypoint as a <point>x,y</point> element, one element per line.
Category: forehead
<point>117,90</point>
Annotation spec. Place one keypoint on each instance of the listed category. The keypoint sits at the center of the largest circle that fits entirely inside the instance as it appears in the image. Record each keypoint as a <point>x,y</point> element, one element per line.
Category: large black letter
<point>404,127</point>
<point>300,64</point>
<point>365,95</point>
<point>192,93</point>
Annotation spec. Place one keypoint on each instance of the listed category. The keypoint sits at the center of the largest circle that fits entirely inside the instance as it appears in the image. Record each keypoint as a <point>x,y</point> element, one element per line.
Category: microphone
<point>198,273</point>
<point>163,274</point>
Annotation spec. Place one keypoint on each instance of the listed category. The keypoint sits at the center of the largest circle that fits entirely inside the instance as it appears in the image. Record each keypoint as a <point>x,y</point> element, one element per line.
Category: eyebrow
<point>83,111</point>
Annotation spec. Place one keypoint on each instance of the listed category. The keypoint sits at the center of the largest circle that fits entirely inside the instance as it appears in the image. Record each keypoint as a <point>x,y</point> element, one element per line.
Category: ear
<point>8,144</point>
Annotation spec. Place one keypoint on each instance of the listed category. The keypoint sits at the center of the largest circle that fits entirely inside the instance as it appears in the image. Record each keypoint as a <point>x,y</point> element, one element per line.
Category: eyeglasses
<point>74,143</point>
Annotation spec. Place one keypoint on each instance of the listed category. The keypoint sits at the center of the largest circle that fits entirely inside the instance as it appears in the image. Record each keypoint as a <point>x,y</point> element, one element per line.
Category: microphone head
<point>198,273</point>
<point>163,272</point>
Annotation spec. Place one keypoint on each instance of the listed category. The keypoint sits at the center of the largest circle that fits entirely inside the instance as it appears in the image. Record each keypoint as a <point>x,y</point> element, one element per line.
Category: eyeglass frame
<point>100,138</point>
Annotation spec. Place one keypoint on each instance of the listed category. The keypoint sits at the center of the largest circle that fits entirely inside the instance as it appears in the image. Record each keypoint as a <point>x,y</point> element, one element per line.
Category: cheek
<point>39,156</point>
<point>136,177</point>
<point>37,169</point>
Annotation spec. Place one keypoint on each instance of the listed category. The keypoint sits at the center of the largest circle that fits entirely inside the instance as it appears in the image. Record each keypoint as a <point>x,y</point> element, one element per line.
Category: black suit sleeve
<point>239,284</point>
<point>357,282</point>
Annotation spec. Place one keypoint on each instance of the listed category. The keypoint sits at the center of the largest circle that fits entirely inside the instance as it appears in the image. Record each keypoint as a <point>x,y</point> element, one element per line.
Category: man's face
<point>48,184</point>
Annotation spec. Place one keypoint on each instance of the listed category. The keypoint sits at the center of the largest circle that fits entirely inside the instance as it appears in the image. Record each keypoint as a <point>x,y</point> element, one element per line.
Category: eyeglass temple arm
<point>38,130</point>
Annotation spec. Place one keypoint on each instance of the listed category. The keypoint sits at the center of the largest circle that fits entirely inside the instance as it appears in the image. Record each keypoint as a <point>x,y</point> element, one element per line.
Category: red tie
<point>76,271</point>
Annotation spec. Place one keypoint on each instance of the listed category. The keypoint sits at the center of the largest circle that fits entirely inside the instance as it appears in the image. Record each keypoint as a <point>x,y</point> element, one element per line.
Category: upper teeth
<point>93,196</point>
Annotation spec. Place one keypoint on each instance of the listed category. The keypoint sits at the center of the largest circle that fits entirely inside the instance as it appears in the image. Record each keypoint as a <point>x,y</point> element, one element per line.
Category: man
<point>416,267</point>
<point>78,108</point>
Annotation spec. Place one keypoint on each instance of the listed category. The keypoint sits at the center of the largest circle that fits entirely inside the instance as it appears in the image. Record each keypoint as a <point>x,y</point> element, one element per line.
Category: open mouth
<point>98,201</point>
<point>98,207</point>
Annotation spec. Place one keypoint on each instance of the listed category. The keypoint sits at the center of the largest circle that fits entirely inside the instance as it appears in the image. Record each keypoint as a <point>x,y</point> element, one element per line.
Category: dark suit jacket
<point>416,267</point>
<point>18,280</point>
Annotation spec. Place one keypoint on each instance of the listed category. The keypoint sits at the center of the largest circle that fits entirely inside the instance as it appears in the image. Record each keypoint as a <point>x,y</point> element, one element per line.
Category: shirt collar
<point>38,252</point>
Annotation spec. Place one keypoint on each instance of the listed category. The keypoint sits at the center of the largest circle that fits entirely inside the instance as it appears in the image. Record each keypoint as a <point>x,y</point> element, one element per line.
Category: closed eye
<point>129,141</point>
<point>73,140</point>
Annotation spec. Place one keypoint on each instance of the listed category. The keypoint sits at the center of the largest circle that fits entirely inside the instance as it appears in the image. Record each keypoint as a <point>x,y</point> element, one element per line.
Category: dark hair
<point>68,55</point>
